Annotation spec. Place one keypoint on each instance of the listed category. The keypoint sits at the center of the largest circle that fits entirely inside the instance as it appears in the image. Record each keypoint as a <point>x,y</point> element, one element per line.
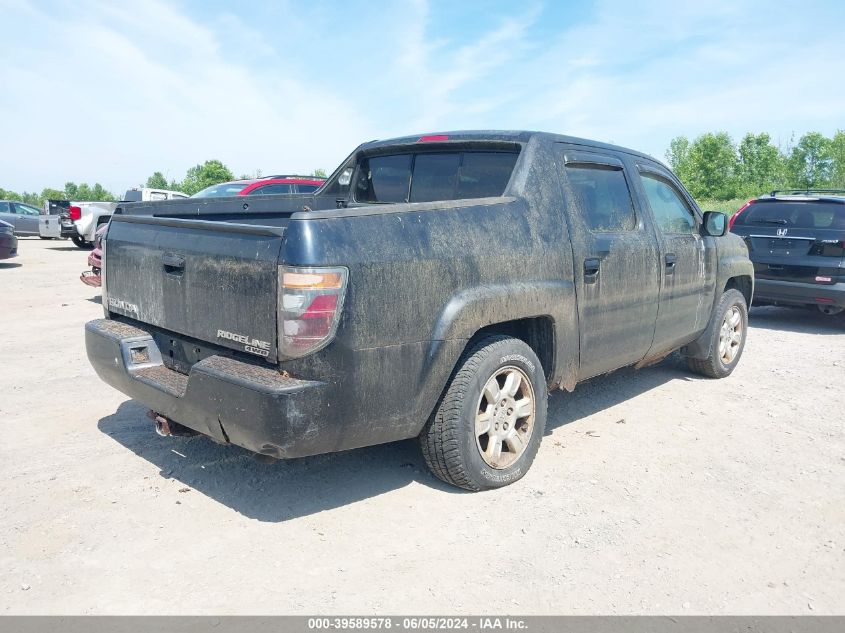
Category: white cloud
<point>111,92</point>
<point>113,96</point>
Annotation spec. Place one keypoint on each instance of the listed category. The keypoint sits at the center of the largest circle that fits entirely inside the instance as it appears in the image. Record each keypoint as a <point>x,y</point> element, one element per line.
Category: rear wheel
<point>487,429</point>
<point>81,242</point>
<point>728,337</point>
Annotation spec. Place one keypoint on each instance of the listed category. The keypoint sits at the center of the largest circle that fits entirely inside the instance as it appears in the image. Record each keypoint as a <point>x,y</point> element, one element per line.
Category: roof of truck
<point>502,136</point>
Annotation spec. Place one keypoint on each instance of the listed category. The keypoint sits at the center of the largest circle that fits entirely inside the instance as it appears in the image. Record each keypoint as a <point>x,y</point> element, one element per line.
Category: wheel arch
<point>744,284</point>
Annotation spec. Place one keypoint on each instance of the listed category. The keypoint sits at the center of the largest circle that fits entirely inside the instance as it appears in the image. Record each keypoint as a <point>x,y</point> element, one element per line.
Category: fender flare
<point>472,309</point>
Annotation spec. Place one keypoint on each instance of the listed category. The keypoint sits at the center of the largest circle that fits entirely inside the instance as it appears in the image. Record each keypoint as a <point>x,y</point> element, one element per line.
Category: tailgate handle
<point>173,264</point>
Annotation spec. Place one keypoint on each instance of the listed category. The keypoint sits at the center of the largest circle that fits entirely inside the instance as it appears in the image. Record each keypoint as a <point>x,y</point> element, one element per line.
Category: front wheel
<point>81,242</point>
<point>487,428</point>
<point>728,329</point>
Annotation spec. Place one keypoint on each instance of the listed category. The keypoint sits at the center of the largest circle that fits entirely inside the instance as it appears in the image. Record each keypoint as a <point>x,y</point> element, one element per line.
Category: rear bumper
<point>234,402</point>
<point>91,278</point>
<point>794,293</point>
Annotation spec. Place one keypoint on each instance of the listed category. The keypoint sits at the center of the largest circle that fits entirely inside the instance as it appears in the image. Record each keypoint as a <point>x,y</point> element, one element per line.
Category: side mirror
<point>715,223</point>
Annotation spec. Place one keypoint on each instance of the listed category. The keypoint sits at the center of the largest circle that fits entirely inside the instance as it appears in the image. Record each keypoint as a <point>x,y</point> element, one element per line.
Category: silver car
<point>21,216</point>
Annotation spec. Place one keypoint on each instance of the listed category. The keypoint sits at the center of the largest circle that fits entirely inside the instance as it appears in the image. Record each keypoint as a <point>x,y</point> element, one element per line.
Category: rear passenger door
<point>616,260</point>
<point>687,260</point>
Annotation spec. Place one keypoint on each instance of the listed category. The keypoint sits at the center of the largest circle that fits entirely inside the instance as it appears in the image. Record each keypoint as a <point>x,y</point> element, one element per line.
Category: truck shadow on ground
<point>68,248</point>
<point>283,490</point>
<point>9,265</point>
<point>798,320</point>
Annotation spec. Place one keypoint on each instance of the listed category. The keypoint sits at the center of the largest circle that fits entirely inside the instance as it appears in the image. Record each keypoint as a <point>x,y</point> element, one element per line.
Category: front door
<point>688,261</point>
<point>616,261</point>
<point>26,222</point>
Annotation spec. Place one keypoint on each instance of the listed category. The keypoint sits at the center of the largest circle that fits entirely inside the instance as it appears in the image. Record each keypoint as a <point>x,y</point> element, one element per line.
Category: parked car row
<point>22,217</point>
<point>79,220</point>
<point>85,222</point>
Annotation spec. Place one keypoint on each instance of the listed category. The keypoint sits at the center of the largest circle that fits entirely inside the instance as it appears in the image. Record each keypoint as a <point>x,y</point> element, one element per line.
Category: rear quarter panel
<point>423,278</point>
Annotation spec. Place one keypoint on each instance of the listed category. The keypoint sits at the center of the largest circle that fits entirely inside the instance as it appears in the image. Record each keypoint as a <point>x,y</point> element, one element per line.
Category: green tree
<point>71,191</point>
<point>760,166</point>
<point>209,173</point>
<point>157,181</point>
<point>98,192</point>
<point>5,194</point>
<point>319,173</point>
<point>837,153</point>
<point>710,167</point>
<point>53,194</point>
<point>810,163</point>
<point>678,153</point>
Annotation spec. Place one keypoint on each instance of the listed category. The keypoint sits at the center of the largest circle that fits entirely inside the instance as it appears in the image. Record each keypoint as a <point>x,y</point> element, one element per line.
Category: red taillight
<point>433,138</point>
<point>75,213</point>
<point>310,303</point>
<point>736,215</point>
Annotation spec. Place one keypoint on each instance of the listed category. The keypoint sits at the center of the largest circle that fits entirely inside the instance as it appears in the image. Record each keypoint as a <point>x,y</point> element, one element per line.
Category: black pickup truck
<point>435,286</point>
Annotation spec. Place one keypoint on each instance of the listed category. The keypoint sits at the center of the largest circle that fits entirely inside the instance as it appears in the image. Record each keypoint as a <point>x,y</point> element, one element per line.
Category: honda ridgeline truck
<point>435,287</point>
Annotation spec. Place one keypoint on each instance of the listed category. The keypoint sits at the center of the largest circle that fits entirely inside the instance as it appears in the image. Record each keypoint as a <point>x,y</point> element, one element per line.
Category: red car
<point>273,185</point>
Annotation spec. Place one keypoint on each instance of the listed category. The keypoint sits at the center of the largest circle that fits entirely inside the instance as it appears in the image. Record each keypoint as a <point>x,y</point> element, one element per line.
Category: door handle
<point>670,260</point>
<point>591,269</point>
<point>173,264</point>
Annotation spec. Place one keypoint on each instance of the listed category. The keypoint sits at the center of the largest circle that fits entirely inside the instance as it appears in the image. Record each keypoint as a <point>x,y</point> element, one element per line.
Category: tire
<point>453,450</point>
<point>79,241</point>
<point>729,330</point>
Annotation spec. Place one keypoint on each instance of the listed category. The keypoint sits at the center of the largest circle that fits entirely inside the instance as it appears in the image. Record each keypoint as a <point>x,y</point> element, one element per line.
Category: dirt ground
<point>654,491</point>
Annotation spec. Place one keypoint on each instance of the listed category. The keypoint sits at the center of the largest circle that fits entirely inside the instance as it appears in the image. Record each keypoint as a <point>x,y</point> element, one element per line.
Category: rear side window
<point>670,212</point>
<point>5,207</point>
<point>799,215</point>
<point>485,174</point>
<point>602,196</point>
<point>435,176</point>
<point>384,179</point>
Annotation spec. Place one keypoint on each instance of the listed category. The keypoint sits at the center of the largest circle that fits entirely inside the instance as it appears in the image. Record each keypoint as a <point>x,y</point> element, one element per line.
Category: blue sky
<point>112,91</point>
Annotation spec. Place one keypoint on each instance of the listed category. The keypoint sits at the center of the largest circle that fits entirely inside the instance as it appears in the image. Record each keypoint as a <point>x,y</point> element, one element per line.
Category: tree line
<point>715,168</point>
<point>712,166</point>
<point>197,178</point>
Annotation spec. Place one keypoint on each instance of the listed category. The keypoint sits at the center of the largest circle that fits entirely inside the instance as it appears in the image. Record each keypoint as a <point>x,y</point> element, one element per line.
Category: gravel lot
<point>654,491</point>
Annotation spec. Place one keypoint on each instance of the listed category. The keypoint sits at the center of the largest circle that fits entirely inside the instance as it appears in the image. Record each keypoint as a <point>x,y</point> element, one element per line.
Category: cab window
<point>433,176</point>
<point>671,213</point>
<point>602,197</point>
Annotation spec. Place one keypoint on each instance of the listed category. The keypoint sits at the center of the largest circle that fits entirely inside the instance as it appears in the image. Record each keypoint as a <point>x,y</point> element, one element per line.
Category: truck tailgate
<point>213,281</point>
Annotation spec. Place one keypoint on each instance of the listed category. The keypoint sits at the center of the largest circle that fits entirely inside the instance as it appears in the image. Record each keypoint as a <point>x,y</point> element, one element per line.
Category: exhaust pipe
<point>162,424</point>
<point>168,428</point>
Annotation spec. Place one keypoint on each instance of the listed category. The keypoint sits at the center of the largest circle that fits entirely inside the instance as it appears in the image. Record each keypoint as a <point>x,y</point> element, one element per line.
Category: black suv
<point>796,239</point>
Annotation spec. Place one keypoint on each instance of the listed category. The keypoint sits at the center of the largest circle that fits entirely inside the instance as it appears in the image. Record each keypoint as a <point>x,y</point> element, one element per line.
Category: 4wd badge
<point>782,231</point>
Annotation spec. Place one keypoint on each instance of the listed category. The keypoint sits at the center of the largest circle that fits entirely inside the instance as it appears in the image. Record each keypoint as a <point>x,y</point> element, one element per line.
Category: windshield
<point>222,190</point>
<point>799,215</point>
